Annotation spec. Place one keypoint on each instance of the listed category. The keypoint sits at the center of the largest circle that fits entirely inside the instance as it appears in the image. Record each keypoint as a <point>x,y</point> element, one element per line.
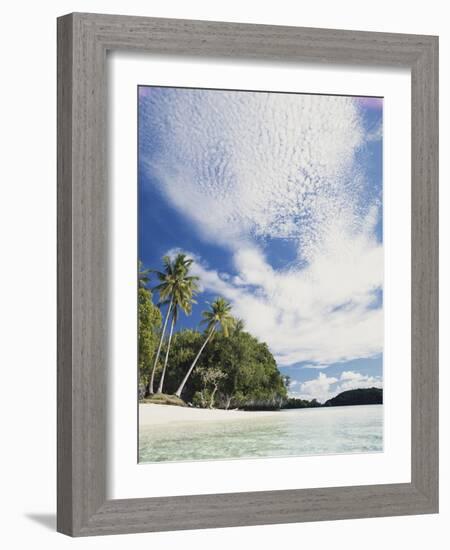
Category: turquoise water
<point>295,432</point>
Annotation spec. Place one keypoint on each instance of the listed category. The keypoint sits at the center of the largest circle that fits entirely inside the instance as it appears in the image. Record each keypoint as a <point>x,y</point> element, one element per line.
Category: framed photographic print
<point>247,274</point>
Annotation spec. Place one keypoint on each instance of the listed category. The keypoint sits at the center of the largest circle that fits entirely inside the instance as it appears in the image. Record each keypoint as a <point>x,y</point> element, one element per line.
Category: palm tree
<point>219,314</point>
<point>182,298</point>
<point>175,286</point>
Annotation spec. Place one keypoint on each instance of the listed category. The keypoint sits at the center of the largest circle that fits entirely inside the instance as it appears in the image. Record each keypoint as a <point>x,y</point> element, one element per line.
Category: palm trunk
<point>194,362</point>
<point>152,377</point>
<point>161,382</point>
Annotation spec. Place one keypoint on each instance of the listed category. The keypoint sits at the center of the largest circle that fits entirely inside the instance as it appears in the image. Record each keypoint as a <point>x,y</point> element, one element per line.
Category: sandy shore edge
<point>151,414</point>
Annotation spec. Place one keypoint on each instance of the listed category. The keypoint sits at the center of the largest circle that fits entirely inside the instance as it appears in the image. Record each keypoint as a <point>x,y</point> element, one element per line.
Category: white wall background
<point>28,253</point>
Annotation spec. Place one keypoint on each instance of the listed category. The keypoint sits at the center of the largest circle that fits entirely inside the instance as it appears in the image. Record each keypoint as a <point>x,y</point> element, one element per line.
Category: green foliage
<point>184,347</point>
<point>223,367</point>
<point>149,321</point>
<point>211,378</point>
<point>219,314</point>
<point>234,371</point>
<point>176,286</point>
<point>143,276</point>
<point>201,399</point>
<point>253,380</point>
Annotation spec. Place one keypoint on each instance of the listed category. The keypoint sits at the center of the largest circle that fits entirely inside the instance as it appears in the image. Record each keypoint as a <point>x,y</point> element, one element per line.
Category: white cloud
<point>319,313</point>
<point>318,388</point>
<point>249,166</point>
<point>351,380</point>
<point>325,387</point>
<point>246,164</point>
<point>376,134</point>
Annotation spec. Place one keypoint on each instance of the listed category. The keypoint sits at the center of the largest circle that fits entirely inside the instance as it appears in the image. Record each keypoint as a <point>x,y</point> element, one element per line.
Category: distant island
<point>361,396</point>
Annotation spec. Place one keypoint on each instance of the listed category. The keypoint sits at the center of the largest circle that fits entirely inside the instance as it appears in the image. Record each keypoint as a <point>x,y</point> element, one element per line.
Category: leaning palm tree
<point>182,298</point>
<point>219,314</point>
<point>172,281</point>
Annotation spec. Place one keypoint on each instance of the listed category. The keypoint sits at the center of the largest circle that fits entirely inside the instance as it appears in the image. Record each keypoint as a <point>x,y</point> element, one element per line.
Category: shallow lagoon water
<point>294,432</point>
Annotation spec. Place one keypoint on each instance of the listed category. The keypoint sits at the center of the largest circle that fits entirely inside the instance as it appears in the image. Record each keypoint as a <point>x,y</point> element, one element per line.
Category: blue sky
<point>278,197</point>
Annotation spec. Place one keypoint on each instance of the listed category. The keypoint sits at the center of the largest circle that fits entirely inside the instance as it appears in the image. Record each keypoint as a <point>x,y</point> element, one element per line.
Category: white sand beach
<point>152,414</point>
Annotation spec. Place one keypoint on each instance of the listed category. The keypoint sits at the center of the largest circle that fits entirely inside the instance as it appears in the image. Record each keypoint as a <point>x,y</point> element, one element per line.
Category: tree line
<point>222,366</point>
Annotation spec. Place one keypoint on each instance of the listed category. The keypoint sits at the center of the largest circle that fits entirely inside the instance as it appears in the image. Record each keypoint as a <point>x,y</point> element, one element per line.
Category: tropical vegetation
<point>220,366</point>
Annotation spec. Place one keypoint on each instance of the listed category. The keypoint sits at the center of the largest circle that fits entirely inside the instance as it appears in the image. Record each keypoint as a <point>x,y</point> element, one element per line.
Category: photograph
<point>259,274</point>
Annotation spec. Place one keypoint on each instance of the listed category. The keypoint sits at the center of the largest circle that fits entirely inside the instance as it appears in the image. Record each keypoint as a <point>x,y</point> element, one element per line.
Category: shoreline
<point>151,414</point>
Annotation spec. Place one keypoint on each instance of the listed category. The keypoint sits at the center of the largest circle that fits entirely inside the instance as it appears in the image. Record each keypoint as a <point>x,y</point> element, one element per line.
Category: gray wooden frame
<point>83,40</point>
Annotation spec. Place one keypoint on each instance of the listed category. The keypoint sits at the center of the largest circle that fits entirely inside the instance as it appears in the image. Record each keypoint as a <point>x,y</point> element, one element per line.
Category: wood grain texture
<point>425,272</point>
<point>83,199</point>
<point>64,275</point>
